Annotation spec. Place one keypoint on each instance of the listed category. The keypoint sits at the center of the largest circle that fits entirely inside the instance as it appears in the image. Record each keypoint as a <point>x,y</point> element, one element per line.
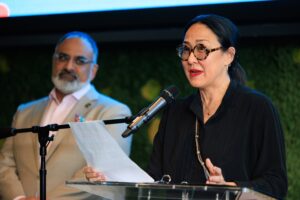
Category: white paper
<point>103,153</point>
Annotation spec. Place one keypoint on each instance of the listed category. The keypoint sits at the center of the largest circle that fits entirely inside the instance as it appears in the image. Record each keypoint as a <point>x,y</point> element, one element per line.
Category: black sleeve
<point>269,173</point>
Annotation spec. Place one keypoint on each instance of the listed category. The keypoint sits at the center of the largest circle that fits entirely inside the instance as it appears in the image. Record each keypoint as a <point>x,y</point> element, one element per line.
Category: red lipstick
<point>195,72</point>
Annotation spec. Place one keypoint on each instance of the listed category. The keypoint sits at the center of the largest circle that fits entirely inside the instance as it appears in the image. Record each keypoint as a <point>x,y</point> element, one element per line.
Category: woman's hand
<point>216,176</point>
<point>93,175</point>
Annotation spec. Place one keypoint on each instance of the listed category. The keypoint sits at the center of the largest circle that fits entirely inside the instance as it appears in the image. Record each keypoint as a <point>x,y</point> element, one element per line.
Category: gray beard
<point>67,87</point>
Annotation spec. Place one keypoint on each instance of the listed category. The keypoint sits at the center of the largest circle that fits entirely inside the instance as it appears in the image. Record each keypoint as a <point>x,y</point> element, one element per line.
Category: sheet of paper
<point>103,153</point>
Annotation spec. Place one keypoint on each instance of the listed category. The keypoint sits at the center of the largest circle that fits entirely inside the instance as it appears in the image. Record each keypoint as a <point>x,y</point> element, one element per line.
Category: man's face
<point>73,65</point>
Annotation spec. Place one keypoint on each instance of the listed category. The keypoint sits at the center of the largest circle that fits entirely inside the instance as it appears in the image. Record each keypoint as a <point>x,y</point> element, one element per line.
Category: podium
<point>164,191</point>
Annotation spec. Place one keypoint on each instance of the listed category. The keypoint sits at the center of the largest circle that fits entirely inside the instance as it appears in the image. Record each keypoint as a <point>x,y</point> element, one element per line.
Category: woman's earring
<point>228,66</point>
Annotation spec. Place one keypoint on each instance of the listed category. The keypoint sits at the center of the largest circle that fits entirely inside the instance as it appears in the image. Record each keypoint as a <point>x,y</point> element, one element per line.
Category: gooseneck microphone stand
<point>44,139</point>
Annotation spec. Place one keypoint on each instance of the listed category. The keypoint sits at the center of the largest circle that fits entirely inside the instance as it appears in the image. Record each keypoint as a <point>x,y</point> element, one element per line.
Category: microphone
<point>7,132</point>
<point>167,96</point>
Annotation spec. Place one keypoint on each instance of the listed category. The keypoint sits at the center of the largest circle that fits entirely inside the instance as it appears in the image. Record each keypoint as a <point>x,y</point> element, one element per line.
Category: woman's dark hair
<point>227,34</point>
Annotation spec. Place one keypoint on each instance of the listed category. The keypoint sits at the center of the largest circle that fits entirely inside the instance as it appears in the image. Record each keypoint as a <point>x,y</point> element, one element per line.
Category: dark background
<point>255,19</point>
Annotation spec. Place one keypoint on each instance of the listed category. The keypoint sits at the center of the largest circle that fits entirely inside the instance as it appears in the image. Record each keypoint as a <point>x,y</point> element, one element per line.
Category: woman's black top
<point>244,138</point>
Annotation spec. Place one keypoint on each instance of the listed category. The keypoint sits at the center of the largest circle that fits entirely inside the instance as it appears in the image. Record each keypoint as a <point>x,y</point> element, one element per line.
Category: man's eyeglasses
<point>79,60</point>
<point>199,51</point>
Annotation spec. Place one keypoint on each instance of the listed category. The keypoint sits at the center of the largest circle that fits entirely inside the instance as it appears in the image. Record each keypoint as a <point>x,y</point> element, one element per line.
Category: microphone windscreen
<point>170,93</point>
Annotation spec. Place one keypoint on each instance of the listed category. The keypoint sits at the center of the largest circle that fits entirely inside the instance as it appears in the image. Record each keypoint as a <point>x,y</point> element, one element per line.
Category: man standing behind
<point>74,66</point>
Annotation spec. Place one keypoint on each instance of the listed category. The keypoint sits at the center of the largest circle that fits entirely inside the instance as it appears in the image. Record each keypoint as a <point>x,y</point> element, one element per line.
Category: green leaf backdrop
<point>136,73</point>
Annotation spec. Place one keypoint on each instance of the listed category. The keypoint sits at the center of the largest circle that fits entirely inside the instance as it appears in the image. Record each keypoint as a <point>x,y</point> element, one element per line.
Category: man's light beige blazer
<point>20,160</point>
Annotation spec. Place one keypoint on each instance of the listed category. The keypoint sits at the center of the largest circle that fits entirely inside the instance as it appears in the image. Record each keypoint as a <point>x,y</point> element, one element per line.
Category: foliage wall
<point>135,75</point>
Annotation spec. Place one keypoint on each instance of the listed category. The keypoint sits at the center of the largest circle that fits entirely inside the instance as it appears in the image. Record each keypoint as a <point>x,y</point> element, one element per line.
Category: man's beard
<point>67,87</point>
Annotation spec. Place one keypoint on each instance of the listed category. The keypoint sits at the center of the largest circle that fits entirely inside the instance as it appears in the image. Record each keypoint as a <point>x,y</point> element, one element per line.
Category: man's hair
<point>78,34</point>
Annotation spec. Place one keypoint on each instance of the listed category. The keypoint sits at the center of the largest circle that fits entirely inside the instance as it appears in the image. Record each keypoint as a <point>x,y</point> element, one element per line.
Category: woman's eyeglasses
<point>199,51</point>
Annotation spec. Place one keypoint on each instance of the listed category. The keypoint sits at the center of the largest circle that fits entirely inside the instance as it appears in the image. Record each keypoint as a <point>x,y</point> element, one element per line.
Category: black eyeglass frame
<point>205,49</point>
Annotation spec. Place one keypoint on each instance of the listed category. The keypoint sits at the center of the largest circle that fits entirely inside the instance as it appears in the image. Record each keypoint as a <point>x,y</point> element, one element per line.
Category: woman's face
<point>212,70</point>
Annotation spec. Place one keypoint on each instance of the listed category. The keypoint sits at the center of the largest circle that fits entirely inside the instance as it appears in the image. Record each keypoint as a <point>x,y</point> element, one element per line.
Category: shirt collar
<point>77,95</point>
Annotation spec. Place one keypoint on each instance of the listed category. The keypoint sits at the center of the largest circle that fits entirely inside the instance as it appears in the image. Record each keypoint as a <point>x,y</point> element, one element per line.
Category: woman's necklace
<point>206,173</point>
<point>209,107</point>
<point>206,110</point>
<point>209,110</point>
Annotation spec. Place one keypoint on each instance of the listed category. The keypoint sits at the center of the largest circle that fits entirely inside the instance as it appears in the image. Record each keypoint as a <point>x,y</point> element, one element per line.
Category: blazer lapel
<point>85,105</point>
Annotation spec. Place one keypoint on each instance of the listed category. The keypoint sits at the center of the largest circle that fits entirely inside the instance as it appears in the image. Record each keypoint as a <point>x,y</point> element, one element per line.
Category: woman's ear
<point>230,52</point>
